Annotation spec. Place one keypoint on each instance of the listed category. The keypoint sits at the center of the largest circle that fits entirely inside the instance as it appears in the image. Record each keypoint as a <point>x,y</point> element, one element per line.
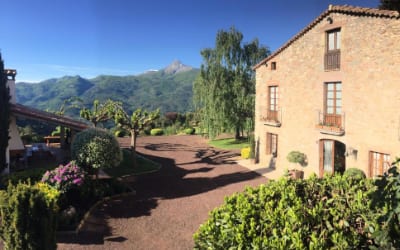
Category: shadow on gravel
<point>175,181</point>
<point>209,155</point>
<point>206,169</point>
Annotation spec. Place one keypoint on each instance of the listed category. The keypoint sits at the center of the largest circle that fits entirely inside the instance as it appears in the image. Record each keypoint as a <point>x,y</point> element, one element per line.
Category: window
<point>379,163</point>
<point>333,104</point>
<point>332,55</point>
<point>273,98</point>
<point>272,144</point>
<point>333,97</point>
<point>272,114</point>
<point>273,65</point>
<point>333,42</point>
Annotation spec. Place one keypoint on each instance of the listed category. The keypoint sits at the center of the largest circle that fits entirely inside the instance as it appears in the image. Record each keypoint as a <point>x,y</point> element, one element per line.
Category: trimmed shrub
<point>354,173</point>
<point>245,153</point>
<point>297,157</point>
<point>28,217</point>
<point>326,213</point>
<point>95,148</point>
<point>189,131</point>
<point>156,131</point>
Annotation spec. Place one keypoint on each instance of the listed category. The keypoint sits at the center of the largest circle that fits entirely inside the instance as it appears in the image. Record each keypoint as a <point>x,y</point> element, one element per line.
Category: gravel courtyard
<point>170,204</point>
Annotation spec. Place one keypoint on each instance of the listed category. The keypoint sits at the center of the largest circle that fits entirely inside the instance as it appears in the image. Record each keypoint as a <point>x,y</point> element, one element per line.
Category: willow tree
<point>224,91</point>
<point>4,116</point>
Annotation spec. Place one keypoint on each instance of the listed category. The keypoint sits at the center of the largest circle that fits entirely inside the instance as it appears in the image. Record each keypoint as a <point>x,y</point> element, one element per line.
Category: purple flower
<point>64,177</point>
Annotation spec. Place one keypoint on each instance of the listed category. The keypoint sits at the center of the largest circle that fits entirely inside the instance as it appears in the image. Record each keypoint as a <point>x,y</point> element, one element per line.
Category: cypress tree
<point>4,115</point>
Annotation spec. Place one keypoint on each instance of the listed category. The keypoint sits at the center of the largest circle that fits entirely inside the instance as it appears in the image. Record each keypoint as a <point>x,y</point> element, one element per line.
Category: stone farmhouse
<point>332,92</point>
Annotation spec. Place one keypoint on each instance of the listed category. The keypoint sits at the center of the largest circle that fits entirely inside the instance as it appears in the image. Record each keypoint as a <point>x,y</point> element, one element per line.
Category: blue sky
<point>51,38</point>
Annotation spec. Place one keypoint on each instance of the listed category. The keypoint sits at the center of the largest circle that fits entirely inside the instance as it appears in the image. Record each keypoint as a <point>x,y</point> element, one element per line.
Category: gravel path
<point>170,204</point>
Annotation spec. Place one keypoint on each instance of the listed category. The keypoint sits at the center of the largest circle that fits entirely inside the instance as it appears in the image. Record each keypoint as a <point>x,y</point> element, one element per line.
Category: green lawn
<point>230,143</point>
<point>125,167</point>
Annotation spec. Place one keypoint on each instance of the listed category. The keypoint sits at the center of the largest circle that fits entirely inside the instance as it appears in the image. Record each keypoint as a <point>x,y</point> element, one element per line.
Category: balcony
<point>273,118</point>
<point>332,60</point>
<point>332,124</point>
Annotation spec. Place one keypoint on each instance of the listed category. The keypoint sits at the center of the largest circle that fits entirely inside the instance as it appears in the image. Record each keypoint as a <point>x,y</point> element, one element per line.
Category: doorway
<point>331,157</point>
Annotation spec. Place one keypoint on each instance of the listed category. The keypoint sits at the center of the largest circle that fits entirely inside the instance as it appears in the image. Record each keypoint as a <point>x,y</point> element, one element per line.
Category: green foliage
<point>100,112</point>
<point>229,143</point>
<point>332,212</point>
<point>4,115</point>
<point>171,130</point>
<point>189,131</point>
<point>354,173</point>
<point>56,132</point>
<point>156,131</point>
<point>224,91</point>
<point>120,133</point>
<point>77,201</point>
<point>245,153</point>
<point>33,131</point>
<point>135,123</point>
<point>297,157</point>
<point>95,148</point>
<point>387,201</point>
<point>28,217</point>
<point>29,175</point>
<point>125,167</point>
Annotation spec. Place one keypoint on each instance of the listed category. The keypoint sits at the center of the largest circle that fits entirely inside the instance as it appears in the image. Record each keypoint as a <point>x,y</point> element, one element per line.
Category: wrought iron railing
<point>273,117</point>
<point>332,122</point>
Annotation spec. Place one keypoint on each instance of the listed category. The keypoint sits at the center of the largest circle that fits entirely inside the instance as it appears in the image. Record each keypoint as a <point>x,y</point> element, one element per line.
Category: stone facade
<point>369,74</point>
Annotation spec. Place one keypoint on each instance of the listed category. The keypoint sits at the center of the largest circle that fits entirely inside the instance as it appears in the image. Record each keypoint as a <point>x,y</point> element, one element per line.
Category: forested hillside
<point>169,89</point>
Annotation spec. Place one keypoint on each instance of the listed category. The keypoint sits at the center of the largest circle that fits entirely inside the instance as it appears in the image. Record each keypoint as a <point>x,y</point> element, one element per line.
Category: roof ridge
<point>345,9</point>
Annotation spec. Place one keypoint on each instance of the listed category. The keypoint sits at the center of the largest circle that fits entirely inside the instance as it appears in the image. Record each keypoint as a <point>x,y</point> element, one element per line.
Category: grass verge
<point>230,143</point>
<point>125,167</point>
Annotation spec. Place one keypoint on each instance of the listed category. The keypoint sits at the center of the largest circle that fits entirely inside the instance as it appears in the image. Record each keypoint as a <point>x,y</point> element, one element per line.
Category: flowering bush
<point>51,194</point>
<point>64,177</point>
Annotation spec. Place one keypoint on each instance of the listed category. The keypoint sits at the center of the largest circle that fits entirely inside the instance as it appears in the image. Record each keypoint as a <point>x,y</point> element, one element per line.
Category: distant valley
<point>169,89</point>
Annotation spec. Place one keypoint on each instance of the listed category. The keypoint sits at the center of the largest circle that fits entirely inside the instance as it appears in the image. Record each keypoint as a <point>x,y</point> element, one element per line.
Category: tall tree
<point>138,121</point>
<point>224,91</point>
<point>390,5</point>
<point>4,115</point>
<point>100,112</point>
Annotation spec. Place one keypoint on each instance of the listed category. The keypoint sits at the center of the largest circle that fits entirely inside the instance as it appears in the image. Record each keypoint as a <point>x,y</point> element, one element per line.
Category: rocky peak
<point>176,67</point>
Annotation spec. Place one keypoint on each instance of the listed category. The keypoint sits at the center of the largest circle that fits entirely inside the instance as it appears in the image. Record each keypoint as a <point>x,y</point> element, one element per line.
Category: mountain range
<point>169,89</point>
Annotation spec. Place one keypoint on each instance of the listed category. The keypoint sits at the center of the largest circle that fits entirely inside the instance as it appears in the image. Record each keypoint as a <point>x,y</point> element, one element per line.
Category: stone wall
<point>370,76</point>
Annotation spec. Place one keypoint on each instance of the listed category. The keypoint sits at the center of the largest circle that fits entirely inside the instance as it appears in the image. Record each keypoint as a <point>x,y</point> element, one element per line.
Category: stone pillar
<point>11,73</point>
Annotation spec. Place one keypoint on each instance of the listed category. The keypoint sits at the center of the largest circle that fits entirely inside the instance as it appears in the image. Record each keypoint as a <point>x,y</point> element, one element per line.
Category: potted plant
<point>297,158</point>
